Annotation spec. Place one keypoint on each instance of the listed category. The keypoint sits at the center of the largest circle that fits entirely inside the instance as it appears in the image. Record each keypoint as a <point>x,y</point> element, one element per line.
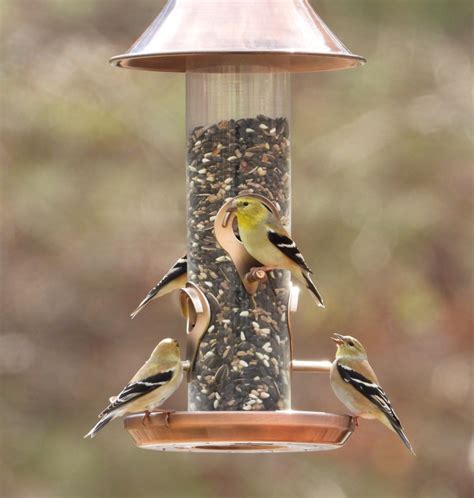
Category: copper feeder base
<point>240,432</point>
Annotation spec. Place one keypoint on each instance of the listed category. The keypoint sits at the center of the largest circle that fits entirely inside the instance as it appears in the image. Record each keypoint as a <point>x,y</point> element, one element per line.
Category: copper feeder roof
<point>283,34</point>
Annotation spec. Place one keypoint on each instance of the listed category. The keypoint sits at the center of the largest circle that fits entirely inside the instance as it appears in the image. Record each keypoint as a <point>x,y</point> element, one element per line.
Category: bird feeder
<point>238,56</point>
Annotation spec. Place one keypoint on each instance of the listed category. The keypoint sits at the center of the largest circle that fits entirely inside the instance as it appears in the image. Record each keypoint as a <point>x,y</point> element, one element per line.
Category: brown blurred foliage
<point>93,213</point>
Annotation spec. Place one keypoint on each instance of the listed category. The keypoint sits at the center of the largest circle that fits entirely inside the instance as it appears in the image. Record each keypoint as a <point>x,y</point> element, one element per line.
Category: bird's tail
<point>403,437</point>
<point>395,426</point>
<point>147,299</point>
<point>313,289</point>
<point>100,425</point>
<point>175,278</point>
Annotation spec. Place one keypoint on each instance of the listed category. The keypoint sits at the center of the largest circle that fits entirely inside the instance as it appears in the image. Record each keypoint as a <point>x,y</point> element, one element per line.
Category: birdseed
<point>243,359</point>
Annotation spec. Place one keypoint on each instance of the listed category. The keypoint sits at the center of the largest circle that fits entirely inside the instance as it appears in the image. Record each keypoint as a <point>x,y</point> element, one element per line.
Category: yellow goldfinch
<point>151,386</point>
<point>356,385</point>
<point>175,278</point>
<point>268,242</point>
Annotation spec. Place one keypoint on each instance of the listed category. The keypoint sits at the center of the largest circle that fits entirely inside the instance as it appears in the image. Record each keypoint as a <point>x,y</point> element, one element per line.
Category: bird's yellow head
<point>250,211</point>
<point>166,350</point>
<point>349,347</point>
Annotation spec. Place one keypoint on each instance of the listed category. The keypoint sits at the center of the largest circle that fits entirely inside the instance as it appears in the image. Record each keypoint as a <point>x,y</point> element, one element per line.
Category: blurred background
<point>93,212</point>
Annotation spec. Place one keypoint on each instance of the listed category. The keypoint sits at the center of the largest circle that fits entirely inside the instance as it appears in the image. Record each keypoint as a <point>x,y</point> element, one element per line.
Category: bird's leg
<point>268,268</point>
<point>167,414</point>
<point>146,417</point>
<point>167,417</point>
<point>270,283</point>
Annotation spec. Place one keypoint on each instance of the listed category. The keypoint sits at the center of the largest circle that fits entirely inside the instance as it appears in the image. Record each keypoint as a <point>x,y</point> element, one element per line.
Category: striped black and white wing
<point>179,269</point>
<point>374,393</point>
<point>288,248</point>
<point>135,390</point>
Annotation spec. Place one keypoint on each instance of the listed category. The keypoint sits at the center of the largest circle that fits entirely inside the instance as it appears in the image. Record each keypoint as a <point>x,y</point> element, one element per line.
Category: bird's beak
<point>232,207</point>
<point>228,213</point>
<point>338,339</point>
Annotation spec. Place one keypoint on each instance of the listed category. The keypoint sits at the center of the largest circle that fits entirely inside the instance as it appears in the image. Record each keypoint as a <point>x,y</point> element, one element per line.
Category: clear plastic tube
<point>238,140</point>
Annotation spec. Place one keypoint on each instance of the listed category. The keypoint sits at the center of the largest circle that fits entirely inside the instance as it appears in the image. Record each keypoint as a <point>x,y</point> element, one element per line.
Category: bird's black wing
<point>177,270</point>
<point>374,393</point>
<point>135,390</point>
<point>288,248</point>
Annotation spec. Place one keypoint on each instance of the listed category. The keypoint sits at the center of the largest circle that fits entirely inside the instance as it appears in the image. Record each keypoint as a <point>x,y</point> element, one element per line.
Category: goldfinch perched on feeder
<point>269,243</point>
<point>356,385</point>
<point>175,278</point>
<point>151,386</point>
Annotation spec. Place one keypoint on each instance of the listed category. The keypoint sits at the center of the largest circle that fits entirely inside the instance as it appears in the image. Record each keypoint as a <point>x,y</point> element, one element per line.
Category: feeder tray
<point>243,432</point>
<point>240,432</point>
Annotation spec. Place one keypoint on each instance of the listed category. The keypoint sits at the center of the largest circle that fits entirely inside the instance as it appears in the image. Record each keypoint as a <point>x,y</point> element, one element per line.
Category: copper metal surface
<point>196,309</point>
<point>308,366</point>
<point>249,432</point>
<point>311,366</point>
<point>283,34</point>
<point>293,300</point>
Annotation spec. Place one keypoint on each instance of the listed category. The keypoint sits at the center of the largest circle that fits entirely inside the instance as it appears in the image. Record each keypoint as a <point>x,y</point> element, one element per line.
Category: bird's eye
<point>245,204</point>
<point>351,344</point>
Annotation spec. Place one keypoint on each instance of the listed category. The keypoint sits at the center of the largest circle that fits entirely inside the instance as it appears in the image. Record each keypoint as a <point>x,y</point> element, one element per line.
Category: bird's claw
<point>146,416</point>
<point>167,417</point>
<point>167,414</point>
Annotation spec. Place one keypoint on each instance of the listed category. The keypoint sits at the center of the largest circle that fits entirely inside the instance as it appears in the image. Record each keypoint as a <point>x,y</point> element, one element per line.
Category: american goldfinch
<point>175,278</point>
<point>268,242</point>
<point>355,384</point>
<point>151,386</point>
